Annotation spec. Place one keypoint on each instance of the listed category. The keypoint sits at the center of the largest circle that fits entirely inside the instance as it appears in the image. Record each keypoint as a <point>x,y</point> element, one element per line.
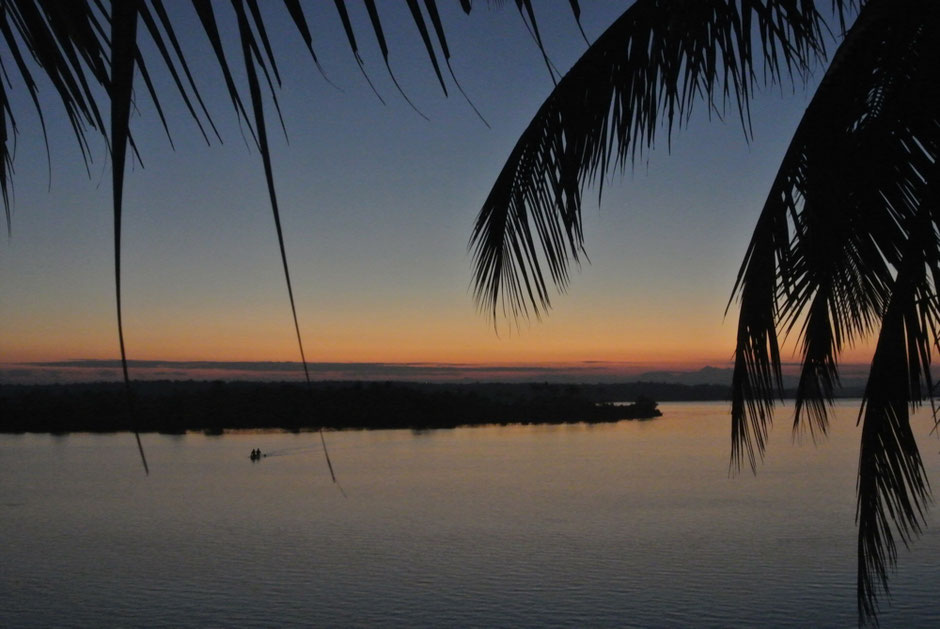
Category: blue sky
<point>377,205</point>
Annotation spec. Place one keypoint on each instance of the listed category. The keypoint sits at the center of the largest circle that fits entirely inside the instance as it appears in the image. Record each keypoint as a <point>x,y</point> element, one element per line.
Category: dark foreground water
<point>630,524</point>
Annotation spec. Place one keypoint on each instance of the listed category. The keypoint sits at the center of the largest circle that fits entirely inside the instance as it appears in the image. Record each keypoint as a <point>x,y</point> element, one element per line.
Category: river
<point>636,523</point>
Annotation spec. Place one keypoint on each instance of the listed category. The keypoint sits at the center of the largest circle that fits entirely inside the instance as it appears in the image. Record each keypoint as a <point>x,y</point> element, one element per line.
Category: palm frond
<point>383,46</point>
<point>820,258</point>
<point>160,10</point>
<point>648,69</point>
<point>893,491</point>
<point>207,18</point>
<point>431,7</point>
<point>891,484</point>
<point>300,21</point>
<point>8,129</point>
<point>846,243</point>
<point>351,37</point>
<point>253,59</point>
<point>757,377</point>
<point>120,90</point>
<point>60,40</point>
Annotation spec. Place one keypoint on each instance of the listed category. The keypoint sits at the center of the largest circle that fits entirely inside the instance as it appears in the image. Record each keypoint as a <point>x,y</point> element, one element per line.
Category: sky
<point>377,205</point>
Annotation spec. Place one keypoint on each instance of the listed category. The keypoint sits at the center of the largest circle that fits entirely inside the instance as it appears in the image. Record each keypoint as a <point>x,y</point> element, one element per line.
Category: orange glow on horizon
<point>677,339</point>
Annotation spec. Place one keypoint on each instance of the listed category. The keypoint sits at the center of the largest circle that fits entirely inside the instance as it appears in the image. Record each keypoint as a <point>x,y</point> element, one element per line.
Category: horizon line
<point>585,371</point>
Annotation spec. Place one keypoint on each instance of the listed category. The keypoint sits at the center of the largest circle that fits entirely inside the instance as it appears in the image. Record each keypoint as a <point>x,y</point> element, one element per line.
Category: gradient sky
<point>377,204</point>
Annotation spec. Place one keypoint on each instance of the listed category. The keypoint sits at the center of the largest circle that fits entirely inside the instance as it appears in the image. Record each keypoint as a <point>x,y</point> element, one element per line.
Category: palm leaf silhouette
<point>845,246</point>
<point>651,66</point>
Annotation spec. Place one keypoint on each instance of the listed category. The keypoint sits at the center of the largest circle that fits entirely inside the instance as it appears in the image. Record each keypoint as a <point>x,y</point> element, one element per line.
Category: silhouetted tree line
<point>175,407</point>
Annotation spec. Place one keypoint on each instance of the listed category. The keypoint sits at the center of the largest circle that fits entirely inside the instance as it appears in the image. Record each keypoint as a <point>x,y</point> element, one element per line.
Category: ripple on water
<point>617,526</point>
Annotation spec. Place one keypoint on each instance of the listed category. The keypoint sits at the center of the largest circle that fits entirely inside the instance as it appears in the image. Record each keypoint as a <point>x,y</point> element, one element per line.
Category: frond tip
<point>646,71</point>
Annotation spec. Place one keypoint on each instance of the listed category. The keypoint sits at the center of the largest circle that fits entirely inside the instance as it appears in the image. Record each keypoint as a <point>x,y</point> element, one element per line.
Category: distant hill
<point>705,375</point>
<point>852,380</point>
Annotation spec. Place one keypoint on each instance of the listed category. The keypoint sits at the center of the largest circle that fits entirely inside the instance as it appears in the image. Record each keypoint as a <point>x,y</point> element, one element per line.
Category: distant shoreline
<point>176,407</point>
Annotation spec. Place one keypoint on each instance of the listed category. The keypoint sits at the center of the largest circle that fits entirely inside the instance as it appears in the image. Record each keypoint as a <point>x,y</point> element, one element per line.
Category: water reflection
<point>566,525</point>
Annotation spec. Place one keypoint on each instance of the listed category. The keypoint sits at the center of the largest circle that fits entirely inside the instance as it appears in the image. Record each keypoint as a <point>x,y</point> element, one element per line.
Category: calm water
<point>632,524</point>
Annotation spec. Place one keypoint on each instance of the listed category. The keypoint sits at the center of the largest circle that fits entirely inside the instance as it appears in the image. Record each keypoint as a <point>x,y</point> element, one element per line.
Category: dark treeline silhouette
<point>175,407</point>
